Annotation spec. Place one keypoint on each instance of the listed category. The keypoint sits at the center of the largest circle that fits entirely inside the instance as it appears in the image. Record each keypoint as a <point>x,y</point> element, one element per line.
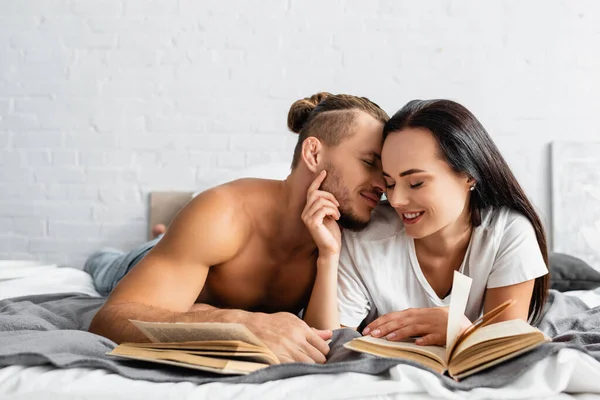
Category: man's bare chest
<point>257,283</point>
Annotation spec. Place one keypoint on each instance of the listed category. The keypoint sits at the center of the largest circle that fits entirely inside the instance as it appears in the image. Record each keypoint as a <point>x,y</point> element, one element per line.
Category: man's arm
<point>112,321</point>
<point>165,284</point>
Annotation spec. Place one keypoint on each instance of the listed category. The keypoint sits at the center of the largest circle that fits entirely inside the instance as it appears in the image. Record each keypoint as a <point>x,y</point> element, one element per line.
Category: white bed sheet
<point>568,371</point>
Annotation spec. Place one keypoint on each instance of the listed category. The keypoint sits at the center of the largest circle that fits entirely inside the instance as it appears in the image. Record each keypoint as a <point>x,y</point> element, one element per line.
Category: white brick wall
<point>103,101</point>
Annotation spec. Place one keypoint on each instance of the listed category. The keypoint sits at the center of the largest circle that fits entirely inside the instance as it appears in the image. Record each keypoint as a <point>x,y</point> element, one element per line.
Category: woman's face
<point>427,194</point>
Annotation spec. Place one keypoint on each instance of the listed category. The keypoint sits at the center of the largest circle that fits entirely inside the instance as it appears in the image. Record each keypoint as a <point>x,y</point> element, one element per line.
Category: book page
<point>461,286</point>
<point>159,332</point>
<point>497,361</point>
<point>369,348</point>
<point>216,365</point>
<point>258,357</point>
<point>498,330</point>
<point>491,350</point>
<point>228,349</point>
<point>481,348</point>
<point>408,345</point>
<point>217,345</point>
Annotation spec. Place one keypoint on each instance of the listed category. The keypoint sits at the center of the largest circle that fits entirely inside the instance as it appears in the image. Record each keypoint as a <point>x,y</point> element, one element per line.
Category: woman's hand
<point>320,215</point>
<point>430,324</point>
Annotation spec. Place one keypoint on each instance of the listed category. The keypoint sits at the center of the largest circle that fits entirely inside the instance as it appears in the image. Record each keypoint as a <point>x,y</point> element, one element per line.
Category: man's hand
<point>289,337</point>
<point>320,215</point>
<point>428,323</point>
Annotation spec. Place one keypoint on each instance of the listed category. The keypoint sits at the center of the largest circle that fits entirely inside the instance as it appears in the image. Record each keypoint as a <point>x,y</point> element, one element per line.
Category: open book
<point>222,348</point>
<point>480,346</point>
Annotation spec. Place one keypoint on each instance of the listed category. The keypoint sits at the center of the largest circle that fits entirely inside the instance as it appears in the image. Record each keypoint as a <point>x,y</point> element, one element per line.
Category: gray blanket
<point>51,329</point>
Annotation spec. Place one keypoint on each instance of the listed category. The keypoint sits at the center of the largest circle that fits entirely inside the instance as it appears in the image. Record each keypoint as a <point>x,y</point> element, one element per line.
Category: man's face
<point>354,173</point>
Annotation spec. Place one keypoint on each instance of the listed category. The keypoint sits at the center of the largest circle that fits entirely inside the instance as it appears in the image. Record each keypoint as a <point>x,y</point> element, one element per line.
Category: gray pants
<point>108,266</point>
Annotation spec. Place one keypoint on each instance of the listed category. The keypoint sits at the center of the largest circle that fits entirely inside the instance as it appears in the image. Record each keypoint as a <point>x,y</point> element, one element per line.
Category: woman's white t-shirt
<point>379,271</point>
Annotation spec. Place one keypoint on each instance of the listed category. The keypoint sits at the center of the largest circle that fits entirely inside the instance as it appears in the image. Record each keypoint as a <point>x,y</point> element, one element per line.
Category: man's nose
<point>379,184</point>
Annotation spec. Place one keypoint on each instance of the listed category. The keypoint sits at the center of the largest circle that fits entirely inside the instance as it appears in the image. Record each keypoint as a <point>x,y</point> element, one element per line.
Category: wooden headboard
<point>164,206</point>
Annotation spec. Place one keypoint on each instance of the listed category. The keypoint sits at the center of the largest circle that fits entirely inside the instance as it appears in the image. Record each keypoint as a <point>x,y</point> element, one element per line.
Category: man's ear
<point>312,153</point>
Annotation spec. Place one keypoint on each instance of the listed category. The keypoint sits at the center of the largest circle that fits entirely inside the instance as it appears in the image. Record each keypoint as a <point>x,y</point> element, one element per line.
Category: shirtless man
<point>241,252</point>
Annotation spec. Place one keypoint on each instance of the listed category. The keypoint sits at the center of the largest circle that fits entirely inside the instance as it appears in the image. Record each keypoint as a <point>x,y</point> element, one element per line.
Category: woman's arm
<point>519,261</point>
<point>322,310</point>
<point>320,215</point>
<point>521,292</point>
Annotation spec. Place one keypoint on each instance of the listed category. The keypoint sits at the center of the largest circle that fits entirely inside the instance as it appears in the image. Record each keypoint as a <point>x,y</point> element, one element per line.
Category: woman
<point>455,205</point>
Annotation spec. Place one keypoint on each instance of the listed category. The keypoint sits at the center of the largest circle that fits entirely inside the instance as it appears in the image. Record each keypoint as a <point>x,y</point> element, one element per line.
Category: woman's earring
<point>472,187</point>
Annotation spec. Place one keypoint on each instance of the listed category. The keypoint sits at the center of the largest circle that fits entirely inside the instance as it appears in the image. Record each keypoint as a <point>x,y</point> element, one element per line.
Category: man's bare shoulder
<point>250,194</point>
<point>250,186</point>
<point>218,204</point>
<point>212,226</point>
<point>234,204</point>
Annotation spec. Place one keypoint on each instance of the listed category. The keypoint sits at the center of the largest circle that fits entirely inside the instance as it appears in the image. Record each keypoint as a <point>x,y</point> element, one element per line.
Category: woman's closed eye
<point>415,185</point>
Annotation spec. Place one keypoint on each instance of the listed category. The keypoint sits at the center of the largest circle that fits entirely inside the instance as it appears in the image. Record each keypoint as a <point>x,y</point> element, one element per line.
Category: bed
<point>568,371</point>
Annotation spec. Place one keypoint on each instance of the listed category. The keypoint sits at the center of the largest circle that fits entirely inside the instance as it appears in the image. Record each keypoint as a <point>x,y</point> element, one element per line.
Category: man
<point>240,252</point>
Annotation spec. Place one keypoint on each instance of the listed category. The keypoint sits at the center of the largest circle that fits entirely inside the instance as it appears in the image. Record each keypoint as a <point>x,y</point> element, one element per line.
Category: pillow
<point>570,273</point>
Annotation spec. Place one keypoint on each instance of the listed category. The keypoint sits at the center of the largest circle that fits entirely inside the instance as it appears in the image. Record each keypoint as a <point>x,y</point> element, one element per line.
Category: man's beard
<point>348,218</point>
